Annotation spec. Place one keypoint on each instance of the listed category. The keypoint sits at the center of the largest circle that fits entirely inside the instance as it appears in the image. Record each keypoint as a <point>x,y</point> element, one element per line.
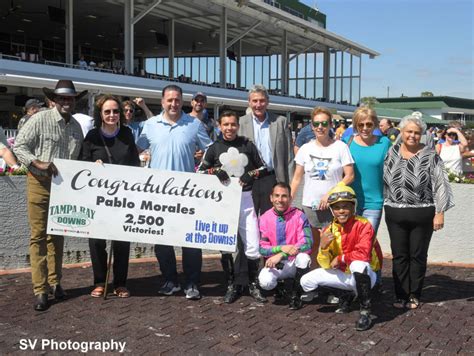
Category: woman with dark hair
<point>417,193</point>
<point>110,142</point>
<point>452,149</point>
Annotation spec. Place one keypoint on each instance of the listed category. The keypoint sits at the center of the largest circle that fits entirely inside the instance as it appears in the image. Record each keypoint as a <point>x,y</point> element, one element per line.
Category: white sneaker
<point>169,288</point>
<point>308,296</point>
<point>192,292</point>
<point>332,299</point>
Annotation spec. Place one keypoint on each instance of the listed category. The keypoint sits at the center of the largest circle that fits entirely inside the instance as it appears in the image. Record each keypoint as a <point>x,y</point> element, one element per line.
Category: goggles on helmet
<point>341,196</point>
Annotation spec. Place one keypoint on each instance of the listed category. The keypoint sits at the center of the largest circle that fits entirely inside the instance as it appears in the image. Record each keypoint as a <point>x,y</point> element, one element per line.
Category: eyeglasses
<point>129,110</point>
<point>320,123</point>
<point>113,111</point>
<point>369,125</point>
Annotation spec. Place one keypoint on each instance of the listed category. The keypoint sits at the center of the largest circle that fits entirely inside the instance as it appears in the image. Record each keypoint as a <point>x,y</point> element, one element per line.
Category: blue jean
<point>374,217</point>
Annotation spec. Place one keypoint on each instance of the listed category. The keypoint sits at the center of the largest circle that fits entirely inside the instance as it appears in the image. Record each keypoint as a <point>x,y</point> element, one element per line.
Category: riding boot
<point>233,292</point>
<point>363,295</point>
<point>296,291</point>
<point>345,300</point>
<point>254,288</point>
<point>280,292</point>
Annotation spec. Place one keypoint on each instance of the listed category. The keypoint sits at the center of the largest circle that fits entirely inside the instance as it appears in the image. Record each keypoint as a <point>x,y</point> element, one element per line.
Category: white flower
<point>233,162</point>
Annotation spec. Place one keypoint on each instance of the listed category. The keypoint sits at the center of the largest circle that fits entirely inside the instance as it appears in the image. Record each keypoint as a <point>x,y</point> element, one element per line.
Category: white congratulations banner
<point>135,204</point>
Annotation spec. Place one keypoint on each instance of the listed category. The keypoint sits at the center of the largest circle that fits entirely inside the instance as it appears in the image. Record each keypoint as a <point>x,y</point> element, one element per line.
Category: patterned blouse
<point>418,182</point>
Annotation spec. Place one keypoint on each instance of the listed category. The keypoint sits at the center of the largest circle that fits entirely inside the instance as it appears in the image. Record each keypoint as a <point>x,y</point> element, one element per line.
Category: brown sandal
<point>122,292</point>
<point>98,292</point>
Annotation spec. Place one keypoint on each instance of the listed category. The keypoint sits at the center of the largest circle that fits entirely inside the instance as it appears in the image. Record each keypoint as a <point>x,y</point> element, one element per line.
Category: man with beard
<point>53,134</point>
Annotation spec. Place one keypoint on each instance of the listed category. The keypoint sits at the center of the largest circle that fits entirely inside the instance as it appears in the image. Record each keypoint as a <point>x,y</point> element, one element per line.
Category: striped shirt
<point>46,137</point>
<point>418,182</point>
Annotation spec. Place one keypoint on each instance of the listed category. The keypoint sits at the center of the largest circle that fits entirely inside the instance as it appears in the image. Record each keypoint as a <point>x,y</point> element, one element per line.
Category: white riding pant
<point>268,277</point>
<point>248,226</point>
<point>336,278</point>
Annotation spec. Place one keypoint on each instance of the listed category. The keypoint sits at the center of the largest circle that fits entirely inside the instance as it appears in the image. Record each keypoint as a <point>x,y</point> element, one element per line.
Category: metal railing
<point>10,133</point>
<point>7,56</point>
<point>76,66</point>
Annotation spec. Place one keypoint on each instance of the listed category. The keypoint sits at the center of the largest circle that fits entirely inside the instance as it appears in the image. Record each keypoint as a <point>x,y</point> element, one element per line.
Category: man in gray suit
<point>272,136</point>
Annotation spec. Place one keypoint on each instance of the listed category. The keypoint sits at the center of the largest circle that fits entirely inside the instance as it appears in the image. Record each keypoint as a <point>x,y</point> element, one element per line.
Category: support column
<point>69,31</point>
<point>171,49</point>
<point>238,73</point>
<point>222,48</point>
<point>284,64</point>
<point>342,75</point>
<point>350,85</point>
<point>216,111</point>
<point>128,35</point>
<point>326,68</point>
<point>360,77</point>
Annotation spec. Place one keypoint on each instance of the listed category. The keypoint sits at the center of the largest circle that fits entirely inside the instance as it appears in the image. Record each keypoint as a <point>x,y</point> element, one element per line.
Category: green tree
<point>427,93</point>
<point>369,101</point>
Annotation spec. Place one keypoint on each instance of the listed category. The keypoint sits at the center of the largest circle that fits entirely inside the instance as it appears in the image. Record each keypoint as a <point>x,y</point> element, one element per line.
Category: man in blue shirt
<point>172,138</point>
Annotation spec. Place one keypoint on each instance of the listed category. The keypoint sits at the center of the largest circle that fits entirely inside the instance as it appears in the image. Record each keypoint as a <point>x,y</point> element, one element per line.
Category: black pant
<point>121,252</point>
<point>410,231</point>
<point>261,190</point>
<point>192,263</point>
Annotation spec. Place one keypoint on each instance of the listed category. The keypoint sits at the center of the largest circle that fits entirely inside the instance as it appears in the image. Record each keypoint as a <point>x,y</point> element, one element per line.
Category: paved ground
<point>150,324</point>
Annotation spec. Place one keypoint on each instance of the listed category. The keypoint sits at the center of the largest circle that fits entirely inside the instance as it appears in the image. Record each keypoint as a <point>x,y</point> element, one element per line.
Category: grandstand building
<point>136,47</point>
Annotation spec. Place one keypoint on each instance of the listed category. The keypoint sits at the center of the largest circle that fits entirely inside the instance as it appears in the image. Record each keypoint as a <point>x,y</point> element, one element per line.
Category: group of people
<point>347,183</point>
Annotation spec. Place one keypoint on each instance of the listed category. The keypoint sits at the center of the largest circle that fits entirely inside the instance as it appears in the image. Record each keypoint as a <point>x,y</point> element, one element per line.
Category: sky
<point>424,45</point>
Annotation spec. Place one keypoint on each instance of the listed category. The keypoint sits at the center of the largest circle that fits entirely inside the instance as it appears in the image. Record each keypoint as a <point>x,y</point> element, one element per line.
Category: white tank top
<point>451,157</point>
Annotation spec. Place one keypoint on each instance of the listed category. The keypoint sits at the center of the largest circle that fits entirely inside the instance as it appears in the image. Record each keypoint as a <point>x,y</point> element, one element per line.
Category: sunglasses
<point>452,134</point>
<point>320,123</point>
<point>129,110</point>
<point>113,111</point>
<point>361,125</point>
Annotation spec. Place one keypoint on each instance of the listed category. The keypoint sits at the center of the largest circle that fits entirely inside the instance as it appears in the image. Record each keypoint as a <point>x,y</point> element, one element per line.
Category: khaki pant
<point>46,251</point>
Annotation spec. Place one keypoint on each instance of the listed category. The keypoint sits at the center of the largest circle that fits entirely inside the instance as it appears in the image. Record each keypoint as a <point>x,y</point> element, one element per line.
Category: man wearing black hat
<point>53,134</point>
<point>32,106</point>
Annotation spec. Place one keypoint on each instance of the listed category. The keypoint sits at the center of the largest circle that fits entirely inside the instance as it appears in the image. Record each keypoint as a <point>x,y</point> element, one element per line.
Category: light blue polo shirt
<point>261,131</point>
<point>172,146</point>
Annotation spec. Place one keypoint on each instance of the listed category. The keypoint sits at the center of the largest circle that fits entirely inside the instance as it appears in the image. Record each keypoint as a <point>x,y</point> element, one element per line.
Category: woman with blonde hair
<point>323,162</point>
<point>368,151</point>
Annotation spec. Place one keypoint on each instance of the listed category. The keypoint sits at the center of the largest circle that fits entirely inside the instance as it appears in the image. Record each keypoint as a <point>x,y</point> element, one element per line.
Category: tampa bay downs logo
<point>71,215</point>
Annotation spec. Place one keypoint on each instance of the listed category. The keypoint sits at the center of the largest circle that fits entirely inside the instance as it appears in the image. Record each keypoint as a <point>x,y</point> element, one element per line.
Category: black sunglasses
<point>320,123</point>
<point>108,112</point>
